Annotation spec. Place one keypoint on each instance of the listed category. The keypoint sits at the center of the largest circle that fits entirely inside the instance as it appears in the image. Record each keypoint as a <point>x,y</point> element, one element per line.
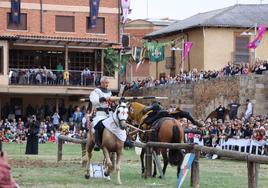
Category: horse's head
<point>135,111</point>
<point>122,114</point>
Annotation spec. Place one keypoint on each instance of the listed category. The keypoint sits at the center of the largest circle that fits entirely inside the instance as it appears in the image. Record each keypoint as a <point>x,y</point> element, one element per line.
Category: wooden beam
<point>231,154</point>
<point>73,140</point>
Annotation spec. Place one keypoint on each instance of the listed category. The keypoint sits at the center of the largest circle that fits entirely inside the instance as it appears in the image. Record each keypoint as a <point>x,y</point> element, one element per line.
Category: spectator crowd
<point>69,121</point>
<point>194,75</point>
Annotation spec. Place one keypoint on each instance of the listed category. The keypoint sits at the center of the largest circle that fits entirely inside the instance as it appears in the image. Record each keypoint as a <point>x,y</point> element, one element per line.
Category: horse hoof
<point>108,178</point>
<point>119,183</point>
<point>87,176</point>
<point>106,174</point>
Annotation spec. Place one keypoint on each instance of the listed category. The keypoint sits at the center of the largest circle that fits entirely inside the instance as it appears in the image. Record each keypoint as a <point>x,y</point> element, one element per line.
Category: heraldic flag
<point>15,11</point>
<point>94,12</point>
<point>187,48</point>
<point>125,4</point>
<point>157,53</point>
<point>185,167</point>
<point>256,42</point>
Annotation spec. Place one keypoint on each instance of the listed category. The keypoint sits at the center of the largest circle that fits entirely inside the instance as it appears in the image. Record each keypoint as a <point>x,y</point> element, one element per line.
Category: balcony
<point>46,81</point>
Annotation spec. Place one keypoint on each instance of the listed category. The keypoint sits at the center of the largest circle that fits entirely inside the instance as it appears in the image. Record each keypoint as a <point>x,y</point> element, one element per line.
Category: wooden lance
<point>129,98</point>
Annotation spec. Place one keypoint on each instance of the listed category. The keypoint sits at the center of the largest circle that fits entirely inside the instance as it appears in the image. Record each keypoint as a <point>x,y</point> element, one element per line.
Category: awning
<point>59,41</point>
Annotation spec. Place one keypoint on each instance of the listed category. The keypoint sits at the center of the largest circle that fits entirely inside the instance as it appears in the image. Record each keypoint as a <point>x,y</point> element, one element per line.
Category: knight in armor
<point>155,111</point>
<point>100,99</point>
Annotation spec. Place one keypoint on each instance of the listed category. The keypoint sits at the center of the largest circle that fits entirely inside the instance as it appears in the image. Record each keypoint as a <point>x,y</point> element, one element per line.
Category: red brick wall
<point>144,69</point>
<point>137,33</point>
<point>33,20</point>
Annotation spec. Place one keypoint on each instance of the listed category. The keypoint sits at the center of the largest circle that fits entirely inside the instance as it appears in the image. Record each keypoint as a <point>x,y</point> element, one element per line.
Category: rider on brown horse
<point>155,111</point>
<point>100,100</point>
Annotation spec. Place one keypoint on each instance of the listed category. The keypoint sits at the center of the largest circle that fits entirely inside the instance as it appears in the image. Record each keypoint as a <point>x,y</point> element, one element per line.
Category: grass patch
<point>43,171</point>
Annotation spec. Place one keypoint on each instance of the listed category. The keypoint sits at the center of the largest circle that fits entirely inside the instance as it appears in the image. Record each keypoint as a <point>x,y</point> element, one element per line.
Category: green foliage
<point>125,59</point>
<point>111,62</point>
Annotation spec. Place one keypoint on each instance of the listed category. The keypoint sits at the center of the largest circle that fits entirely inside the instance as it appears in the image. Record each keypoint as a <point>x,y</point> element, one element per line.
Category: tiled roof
<point>240,15</point>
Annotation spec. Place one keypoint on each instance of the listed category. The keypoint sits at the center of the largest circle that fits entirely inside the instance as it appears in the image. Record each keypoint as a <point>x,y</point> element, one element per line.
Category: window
<point>100,26</point>
<point>21,26</point>
<point>241,54</point>
<point>1,60</point>
<point>126,40</point>
<point>65,23</point>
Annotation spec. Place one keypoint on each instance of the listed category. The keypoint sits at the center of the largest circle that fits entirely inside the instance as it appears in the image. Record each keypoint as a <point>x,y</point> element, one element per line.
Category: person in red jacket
<point>6,180</point>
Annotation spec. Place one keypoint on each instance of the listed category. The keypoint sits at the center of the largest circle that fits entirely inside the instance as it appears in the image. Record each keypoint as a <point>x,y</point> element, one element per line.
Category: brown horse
<point>169,130</point>
<point>110,142</point>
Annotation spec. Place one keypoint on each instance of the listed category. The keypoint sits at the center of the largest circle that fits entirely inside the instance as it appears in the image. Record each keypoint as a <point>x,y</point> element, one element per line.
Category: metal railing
<point>37,76</point>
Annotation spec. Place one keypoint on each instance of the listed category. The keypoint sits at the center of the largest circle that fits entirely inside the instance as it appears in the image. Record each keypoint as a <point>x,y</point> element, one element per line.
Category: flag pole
<point>156,70</point>
<point>182,57</point>
<point>254,52</point>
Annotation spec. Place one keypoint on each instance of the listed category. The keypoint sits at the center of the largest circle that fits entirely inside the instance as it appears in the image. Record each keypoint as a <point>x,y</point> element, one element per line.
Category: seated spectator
<point>52,137</point>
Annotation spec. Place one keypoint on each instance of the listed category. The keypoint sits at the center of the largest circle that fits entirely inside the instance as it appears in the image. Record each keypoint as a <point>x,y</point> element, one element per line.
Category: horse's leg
<point>180,157</point>
<point>165,159</point>
<point>108,161</point>
<point>89,148</point>
<point>142,161</point>
<point>117,166</point>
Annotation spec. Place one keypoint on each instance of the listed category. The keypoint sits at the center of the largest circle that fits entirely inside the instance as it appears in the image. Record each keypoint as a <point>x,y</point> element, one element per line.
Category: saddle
<point>153,135</point>
<point>152,117</point>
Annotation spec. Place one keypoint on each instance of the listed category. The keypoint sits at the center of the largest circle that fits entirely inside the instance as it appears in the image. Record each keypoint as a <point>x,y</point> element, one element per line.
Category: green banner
<point>157,53</point>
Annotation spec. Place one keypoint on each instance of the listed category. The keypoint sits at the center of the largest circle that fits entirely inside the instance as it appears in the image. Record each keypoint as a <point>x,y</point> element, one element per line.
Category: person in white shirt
<point>100,98</point>
<point>249,111</point>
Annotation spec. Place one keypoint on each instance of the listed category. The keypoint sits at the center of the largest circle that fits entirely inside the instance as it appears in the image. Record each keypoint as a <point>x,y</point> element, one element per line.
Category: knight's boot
<point>97,140</point>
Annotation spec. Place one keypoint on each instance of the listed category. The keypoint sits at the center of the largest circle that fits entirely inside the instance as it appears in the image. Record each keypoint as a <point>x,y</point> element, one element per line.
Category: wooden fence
<point>253,161</point>
<point>62,139</point>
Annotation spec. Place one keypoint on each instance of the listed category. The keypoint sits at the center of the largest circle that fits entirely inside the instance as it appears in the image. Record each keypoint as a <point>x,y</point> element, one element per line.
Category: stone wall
<point>203,97</point>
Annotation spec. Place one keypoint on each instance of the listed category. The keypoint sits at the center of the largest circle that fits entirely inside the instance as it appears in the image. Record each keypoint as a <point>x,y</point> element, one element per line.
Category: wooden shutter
<point>100,26</point>
<point>65,23</point>
<point>21,26</point>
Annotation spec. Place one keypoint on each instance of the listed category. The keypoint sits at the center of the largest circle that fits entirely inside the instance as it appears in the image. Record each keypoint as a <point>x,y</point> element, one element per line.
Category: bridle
<point>117,117</point>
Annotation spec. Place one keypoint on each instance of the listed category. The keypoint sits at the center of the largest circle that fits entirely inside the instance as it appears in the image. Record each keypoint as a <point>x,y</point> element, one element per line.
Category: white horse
<point>113,138</point>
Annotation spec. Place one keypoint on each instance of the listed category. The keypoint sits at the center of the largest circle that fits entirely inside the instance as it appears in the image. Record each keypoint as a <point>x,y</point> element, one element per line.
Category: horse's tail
<point>173,154</point>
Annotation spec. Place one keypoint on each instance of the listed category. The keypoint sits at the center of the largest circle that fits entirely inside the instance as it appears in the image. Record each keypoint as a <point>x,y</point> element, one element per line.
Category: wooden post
<point>195,171</point>
<point>253,170</point>
<point>60,143</point>
<point>148,162</point>
<point>102,62</point>
<point>66,58</point>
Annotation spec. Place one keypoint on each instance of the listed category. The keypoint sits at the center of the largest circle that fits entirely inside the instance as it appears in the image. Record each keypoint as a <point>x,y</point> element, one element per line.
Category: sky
<point>180,9</point>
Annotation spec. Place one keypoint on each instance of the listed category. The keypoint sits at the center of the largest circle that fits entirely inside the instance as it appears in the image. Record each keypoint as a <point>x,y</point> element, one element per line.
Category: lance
<point>129,98</point>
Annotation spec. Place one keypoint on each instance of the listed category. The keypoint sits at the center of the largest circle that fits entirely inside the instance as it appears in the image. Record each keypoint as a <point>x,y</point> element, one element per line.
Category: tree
<point>111,62</point>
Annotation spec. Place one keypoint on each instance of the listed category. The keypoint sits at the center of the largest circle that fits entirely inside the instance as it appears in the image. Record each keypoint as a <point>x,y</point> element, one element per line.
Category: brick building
<point>135,30</point>
<point>43,59</point>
